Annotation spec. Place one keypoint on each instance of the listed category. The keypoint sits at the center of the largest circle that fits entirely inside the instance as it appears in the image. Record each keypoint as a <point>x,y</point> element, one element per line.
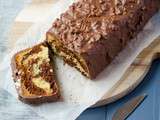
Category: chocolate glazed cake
<point>91,33</point>
<point>34,75</point>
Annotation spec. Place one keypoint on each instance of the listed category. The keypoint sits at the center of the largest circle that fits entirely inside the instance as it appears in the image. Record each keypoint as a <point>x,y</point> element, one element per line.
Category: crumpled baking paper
<point>78,92</point>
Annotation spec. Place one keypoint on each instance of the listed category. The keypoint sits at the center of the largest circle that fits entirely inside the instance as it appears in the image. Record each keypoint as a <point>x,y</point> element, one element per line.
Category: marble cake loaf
<point>34,75</point>
<point>91,33</point>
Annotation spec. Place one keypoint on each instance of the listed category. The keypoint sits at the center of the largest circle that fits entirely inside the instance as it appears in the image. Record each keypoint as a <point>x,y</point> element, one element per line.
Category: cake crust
<point>91,33</point>
<point>35,97</point>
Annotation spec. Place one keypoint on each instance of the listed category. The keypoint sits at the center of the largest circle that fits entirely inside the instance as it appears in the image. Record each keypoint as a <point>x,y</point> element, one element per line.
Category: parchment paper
<point>78,92</point>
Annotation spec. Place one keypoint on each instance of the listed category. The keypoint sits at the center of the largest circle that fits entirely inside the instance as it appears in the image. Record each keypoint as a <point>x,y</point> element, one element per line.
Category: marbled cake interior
<point>34,72</point>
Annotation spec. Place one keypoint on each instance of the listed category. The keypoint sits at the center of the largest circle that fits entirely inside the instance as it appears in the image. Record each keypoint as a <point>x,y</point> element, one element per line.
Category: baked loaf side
<point>34,75</point>
<point>91,33</point>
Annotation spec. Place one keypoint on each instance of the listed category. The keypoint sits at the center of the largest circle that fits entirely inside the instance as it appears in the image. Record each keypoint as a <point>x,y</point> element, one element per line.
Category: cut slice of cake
<point>34,75</point>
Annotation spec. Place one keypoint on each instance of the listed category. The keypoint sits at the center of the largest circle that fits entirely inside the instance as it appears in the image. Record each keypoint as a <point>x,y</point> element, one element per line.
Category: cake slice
<point>91,33</point>
<point>34,75</point>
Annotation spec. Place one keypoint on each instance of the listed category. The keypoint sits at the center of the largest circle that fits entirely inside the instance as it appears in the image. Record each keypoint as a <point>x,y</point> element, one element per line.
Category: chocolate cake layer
<point>92,32</point>
<point>34,75</point>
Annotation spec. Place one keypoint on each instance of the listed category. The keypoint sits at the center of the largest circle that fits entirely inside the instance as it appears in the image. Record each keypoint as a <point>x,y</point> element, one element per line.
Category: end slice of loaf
<point>34,75</point>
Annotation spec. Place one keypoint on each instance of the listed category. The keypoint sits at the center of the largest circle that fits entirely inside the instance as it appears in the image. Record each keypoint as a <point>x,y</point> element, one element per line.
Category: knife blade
<point>123,112</point>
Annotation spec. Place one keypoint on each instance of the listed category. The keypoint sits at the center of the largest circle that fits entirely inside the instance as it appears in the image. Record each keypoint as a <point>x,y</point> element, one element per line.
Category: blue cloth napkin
<point>148,110</point>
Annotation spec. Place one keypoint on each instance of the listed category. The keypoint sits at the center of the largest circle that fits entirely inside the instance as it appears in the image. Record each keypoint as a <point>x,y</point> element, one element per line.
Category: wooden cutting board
<point>132,77</point>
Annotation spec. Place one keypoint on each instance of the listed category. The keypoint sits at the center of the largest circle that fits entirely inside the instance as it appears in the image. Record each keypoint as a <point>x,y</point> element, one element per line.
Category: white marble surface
<point>10,108</point>
<point>8,11</point>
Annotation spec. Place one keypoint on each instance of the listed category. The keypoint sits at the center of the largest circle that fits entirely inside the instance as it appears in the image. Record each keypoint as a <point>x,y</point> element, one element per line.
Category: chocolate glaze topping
<point>88,21</point>
<point>98,28</point>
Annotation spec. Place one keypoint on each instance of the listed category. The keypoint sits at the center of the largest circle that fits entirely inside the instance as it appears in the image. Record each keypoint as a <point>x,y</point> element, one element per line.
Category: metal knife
<point>123,112</point>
